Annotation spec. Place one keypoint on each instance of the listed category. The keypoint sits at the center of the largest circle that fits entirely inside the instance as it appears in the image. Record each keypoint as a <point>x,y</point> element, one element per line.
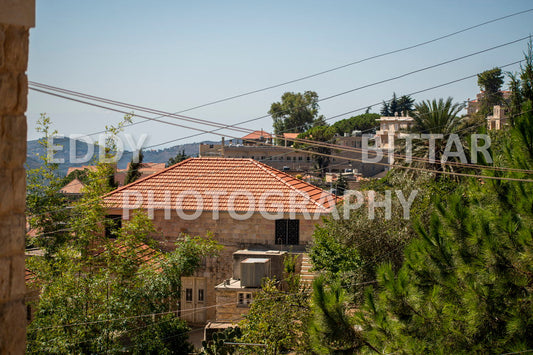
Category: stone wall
<point>15,20</point>
<point>228,309</point>
<point>254,232</point>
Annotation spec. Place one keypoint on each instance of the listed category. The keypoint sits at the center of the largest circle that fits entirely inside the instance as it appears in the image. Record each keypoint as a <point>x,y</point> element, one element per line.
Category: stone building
<point>16,18</point>
<point>284,157</point>
<point>278,157</point>
<point>242,203</point>
<point>473,106</point>
<point>498,119</point>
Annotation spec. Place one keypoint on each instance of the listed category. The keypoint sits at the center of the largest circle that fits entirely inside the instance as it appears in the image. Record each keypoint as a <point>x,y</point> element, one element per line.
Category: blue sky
<point>173,55</point>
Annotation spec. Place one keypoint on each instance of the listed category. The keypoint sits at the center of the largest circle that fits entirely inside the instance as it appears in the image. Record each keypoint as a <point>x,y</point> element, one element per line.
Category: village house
<point>498,119</point>
<point>259,146</point>
<point>242,203</point>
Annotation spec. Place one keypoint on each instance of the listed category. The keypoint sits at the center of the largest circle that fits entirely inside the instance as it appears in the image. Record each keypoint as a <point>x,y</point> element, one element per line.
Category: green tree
<point>341,185</point>
<point>332,330</point>
<point>400,106</point>
<point>465,285</point>
<point>181,156</point>
<point>318,134</point>
<point>296,112</point>
<point>46,207</point>
<point>364,122</point>
<point>82,175</point>
<point>134,169</point>
<point>490,83</point>
<point>348,250</point>
<point>438,117</point>
<point>98,295</point>
<point>278,318</point>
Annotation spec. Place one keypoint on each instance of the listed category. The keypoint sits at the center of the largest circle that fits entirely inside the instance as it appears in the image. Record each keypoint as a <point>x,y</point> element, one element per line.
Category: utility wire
<point>294,149</point>
<point>39,86</point>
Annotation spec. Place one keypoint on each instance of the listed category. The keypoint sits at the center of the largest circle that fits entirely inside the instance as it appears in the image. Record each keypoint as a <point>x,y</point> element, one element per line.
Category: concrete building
<point>242,203</point>
<point>16,18</point>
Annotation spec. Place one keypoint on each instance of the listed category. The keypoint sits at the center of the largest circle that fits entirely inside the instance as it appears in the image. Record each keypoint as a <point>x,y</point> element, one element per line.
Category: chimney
<point>222,148</point>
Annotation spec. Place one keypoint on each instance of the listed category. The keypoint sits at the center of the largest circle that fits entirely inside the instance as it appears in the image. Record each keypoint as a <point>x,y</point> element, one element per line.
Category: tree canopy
<point>365,122</point>
<point>295,113</point>
<point>490,82</point>
<point>401,106</point>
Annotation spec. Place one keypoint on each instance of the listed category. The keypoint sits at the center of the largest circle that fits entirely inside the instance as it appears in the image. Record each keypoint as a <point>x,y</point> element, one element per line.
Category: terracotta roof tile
<point>258,135</point>
<point>73,187</point>
<point>238,185</point>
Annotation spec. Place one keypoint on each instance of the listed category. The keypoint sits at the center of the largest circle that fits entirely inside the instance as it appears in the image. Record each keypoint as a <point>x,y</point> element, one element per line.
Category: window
<point>245,298</point>
<point>308,158</point>
<point>299,158</point>
<point>113,223</point>
<point>287,231</point>
<point>188,294</point>
<point>200,295</point>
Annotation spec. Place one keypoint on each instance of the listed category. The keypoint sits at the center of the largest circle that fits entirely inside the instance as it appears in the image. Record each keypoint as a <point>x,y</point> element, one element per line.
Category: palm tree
<point>437,117</point>
<point>434,117</point>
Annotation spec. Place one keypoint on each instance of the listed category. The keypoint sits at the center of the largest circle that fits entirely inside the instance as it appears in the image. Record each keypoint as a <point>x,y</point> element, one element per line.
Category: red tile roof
<point>237,183</point>
<point>290,135</point>
<point>73,187</point>
<point>258,135</point>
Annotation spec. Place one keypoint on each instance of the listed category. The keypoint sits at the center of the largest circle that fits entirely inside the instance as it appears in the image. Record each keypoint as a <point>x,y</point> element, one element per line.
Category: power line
<point>299,150</point>
<point>39,86</point>
<point>420,44</point>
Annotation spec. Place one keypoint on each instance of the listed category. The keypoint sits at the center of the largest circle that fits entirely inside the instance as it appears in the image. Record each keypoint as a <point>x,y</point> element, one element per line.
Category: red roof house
<point>243,203</point>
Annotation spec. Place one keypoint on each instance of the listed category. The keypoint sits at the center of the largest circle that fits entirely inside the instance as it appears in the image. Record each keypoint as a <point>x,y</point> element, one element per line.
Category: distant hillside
<point>35,150</point>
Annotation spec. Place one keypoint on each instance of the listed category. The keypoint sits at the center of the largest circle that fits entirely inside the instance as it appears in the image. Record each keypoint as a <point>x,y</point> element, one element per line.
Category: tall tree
<point>318,134</point>
<point>134,169</point>
<point>436,117</point>
<point>331,329</point>
<point>181,156</point>
<point>46,206</point>
<point>526,73</point>
<point>364,122</point>
<point>466,283</point>
<point>400,106</point>
<point>296,112</point>
<point>490,83</point>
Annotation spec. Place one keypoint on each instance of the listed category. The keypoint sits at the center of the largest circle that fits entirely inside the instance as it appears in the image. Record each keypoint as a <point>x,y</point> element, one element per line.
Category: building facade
<point>241,203</point>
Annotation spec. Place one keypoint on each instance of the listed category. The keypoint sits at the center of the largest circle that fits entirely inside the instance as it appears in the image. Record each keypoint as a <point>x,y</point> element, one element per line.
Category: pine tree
<point>178,158</point>
<point>134,169</point>
<point>465,285</point>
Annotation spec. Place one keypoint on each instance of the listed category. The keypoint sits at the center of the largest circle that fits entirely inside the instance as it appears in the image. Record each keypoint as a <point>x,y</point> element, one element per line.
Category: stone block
<point>19,189</point>
<point>13,336</point>
<point>2,40</point>
<point>5,278</point>
<point>13,137</point>
<point>6,192</point>
<point>22,102</point>
<point>16,49</point>
<point>12,234</point>
<point>8,93</point>
<point>18,285</point>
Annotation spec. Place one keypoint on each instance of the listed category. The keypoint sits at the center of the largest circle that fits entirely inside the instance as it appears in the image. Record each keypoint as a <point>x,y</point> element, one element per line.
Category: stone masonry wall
<point>13,100</point>
<point>232,234</point>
